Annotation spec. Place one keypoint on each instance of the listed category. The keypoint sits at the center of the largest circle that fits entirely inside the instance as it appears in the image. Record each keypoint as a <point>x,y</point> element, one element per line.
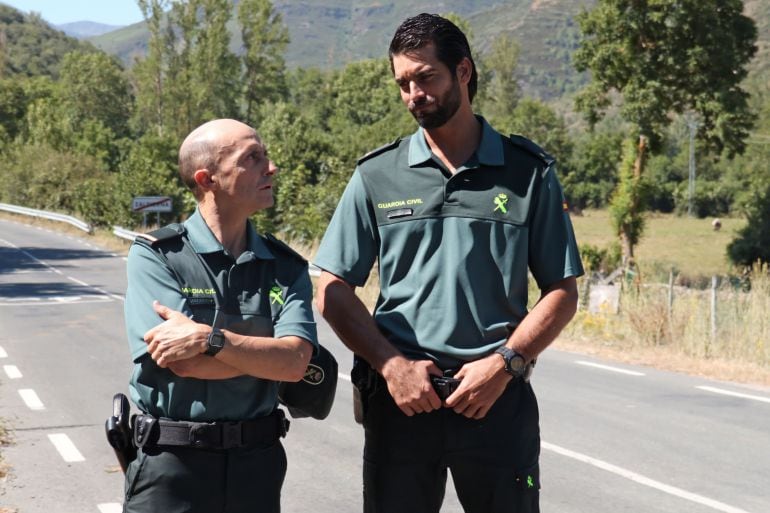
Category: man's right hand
<point>409,384</point>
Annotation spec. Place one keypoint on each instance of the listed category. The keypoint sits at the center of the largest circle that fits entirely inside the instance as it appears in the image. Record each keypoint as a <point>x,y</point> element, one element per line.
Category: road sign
<point>151,204</point>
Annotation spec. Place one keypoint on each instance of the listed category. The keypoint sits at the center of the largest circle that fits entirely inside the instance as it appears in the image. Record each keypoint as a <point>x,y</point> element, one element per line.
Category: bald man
<point>216,315</point>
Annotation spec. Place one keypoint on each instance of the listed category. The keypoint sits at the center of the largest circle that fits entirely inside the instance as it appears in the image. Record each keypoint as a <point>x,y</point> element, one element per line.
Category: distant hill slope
<point>84,29</point>
<point>29,46</point>
<point>332,33</point>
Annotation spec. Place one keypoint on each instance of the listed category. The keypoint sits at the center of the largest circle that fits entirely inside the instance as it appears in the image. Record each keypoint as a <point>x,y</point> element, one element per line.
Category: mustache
<point>421,102</point>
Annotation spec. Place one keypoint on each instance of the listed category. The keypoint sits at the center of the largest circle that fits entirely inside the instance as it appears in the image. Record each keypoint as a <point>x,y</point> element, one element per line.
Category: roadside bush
<point>601,260</point>
<point>753,241</point>
<point>38,176</point>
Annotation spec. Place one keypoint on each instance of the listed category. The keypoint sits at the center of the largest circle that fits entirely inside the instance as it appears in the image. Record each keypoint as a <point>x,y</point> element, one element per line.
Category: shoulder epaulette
<point>155,237</point>
<point>282,247</point>
<point>532,148</point>
<point>379,151</point>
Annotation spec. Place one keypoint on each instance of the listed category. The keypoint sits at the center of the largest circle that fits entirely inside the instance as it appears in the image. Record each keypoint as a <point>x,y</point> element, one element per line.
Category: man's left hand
<point>483,382</point>
<point>177,338</point>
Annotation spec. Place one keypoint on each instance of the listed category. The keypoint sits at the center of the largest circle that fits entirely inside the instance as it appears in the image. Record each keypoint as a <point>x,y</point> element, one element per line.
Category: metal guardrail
<point>51,216</point>
<point>124,233</point>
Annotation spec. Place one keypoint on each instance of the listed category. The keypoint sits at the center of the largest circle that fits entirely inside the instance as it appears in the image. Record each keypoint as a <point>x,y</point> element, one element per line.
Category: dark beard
<point>446,107</point>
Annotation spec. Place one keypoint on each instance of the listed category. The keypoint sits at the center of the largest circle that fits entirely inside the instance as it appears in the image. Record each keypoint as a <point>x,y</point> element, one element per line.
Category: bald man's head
<point>205,147</point>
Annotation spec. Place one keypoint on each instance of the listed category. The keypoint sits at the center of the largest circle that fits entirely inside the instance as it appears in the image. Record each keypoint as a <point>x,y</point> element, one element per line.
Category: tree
<point>753,241</point>
<point>85,111</point>
<point>500,88</point>
<point>667,57</point>
<point>148,73</point>
<point>189,75</point>
<point>265,38</point>
<point>13,108</point>
<point>537,121</point>
<point>94,87</point>
<point>592,174</point>
<point>215,69</point>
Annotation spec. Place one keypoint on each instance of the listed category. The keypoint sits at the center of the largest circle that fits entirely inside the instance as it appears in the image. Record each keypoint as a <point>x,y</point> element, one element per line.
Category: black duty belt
<point>150,431</point>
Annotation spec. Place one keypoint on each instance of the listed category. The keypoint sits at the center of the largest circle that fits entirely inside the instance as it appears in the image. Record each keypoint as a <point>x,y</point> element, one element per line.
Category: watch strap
<point>523,370</point>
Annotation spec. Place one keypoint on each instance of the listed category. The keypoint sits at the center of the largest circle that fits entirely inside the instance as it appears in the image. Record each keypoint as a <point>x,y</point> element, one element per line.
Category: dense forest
<point>83,132</point>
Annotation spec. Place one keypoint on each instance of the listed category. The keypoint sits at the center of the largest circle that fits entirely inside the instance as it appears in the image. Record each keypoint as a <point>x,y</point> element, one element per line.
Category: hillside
<point>30,47</point>
<point>84,29</point>
<point>331,33</point>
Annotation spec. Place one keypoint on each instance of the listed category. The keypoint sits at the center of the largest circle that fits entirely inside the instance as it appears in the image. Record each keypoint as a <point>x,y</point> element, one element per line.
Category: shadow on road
<point>14,260</point>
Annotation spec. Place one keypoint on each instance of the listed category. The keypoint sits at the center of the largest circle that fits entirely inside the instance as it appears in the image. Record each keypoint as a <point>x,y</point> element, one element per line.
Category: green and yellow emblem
<point>276,295</point>
<point>501,200</point>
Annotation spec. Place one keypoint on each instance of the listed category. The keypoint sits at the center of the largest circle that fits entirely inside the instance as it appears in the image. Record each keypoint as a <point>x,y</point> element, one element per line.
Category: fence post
<point>714,282</point>
<point>585,300</point>
<point>670,293</point>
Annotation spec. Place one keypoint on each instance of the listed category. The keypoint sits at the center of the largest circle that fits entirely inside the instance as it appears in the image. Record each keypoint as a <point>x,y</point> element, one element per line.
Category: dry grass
<point>5,439</point>
<point>680,338</point>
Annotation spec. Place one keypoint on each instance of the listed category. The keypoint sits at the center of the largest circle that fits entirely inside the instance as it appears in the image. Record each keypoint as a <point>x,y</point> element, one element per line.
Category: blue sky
<point>57,12</point>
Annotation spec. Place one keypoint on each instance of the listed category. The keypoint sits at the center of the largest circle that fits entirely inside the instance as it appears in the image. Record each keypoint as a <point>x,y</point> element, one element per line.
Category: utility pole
<point>692,124</point>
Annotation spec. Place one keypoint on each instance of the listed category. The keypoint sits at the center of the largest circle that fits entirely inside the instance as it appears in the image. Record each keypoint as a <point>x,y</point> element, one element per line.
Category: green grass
<point>690,246</point>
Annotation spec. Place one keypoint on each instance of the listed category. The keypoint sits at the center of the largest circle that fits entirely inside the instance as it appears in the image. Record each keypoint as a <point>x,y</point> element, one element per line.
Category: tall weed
<point>647,317</point>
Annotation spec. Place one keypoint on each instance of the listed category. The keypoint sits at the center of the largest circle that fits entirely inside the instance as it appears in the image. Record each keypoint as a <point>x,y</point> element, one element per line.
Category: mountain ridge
<point>84,29</point>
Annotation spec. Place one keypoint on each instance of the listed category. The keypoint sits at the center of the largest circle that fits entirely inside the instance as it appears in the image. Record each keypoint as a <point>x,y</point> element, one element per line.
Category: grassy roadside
<point>5,439</point>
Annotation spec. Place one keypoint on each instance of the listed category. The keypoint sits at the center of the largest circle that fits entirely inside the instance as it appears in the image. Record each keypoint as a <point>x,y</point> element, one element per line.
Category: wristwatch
<point>515,364</point>
<point>216,342</point>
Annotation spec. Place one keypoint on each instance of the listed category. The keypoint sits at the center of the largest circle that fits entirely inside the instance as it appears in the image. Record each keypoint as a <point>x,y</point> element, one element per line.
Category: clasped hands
<point>483,382</point>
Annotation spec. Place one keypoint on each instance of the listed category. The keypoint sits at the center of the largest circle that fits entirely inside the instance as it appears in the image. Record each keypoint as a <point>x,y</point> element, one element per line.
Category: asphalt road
<point>616,438</point>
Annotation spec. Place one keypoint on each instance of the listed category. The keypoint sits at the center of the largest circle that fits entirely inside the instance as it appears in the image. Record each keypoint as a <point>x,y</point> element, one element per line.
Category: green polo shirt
<point>454,250</point>
<point>245,284</point>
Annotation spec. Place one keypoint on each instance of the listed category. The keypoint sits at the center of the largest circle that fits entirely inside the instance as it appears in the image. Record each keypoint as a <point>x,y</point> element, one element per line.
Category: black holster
<point>119,431</point>
<point>365,383</point>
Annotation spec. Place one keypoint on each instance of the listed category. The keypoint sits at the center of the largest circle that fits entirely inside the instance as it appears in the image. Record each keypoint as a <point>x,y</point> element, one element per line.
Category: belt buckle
<point>200,435</point>
<point>232,435</point>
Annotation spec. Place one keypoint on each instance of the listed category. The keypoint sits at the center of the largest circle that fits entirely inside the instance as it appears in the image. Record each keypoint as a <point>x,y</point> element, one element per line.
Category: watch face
<point>216,342</point>
<point>517,364</point>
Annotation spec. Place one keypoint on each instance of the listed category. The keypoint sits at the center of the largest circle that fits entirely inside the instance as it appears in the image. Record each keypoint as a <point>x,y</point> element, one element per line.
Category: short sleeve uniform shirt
<point>454,250</point>
<point>246,284</point>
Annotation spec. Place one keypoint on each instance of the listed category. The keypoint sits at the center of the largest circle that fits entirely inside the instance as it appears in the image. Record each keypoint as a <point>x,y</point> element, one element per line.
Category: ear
<point>203,178</point>
<point>464,70</point>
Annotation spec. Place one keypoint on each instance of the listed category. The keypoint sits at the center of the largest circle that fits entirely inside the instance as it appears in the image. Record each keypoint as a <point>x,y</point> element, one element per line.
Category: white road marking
<point>110,507</point>
<point>344,376</point>
<point>79,282</point>
<point>3,354</point>
<point>12,371</point>
<point>66,448</point>
<point>608,368</point>
<point>646,481</point>
<point>735,394</point>
<point>31,399</point>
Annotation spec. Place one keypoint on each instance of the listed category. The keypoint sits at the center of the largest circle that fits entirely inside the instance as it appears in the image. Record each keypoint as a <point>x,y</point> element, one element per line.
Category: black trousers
<point>189,480</point>
<point>494,460</point>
